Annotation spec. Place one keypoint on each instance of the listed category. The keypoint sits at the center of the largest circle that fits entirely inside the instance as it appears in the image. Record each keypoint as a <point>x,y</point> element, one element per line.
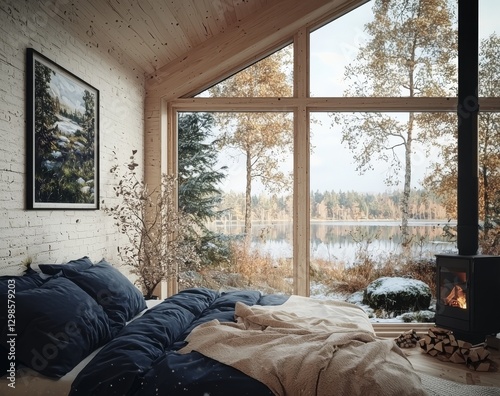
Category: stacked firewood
<point>409,339</point>
<point>442,344</point>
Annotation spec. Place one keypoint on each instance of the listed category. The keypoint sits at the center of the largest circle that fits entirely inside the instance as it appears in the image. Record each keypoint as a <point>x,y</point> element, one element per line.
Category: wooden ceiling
<point>152,33</point>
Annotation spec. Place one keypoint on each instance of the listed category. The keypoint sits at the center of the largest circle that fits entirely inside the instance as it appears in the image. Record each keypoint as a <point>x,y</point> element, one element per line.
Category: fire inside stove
<point>453,286</point>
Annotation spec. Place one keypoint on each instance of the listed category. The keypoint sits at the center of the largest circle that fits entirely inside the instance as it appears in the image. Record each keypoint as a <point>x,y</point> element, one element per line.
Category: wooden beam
<point>301,156</point>
<point>301,202</point>
<point>327,104</point>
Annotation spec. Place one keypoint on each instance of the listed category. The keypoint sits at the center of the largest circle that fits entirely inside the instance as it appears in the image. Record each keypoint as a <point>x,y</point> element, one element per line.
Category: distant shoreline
<point>388,222</point>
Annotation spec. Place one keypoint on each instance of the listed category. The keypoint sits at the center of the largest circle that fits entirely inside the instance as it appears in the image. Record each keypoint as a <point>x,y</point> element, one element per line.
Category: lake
<point>340,240</point>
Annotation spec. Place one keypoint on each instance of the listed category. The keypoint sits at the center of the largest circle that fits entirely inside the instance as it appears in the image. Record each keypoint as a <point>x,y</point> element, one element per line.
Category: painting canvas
<point>63,129</point>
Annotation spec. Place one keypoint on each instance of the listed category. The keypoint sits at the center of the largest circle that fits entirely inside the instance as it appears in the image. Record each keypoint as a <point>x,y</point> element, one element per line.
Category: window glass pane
<point>397,48</point>
<point>489,48</point>
<point>357,197</point>
<point>236,176</point>
<point>489,182</point>
<point>269,77</point>
<point>333,47</point>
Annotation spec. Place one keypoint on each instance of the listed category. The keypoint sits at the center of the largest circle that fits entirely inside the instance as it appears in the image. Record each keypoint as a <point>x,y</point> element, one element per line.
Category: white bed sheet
<point>30,383</point>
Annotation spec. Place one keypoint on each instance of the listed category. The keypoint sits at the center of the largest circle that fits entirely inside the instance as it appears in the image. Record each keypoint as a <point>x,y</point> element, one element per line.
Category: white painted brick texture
<point>56,236</point>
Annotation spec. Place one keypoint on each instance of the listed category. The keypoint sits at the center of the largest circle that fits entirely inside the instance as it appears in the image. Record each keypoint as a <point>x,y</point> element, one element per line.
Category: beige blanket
<point>308,347</point>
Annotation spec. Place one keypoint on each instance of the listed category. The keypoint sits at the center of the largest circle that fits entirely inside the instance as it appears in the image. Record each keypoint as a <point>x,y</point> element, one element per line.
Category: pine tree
<point>198,179</point>
<point>45,139</point>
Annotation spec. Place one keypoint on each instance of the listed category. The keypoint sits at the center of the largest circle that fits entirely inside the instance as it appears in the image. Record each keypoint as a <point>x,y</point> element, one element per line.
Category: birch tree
<point>264,139</point>
<point>410,51</point>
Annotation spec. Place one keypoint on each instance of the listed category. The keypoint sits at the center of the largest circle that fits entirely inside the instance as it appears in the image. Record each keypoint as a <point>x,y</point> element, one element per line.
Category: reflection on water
<point>341,240</point>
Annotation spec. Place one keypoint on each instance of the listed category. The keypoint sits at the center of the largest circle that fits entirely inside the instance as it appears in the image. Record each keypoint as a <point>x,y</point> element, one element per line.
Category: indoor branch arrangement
<point>161,236</point>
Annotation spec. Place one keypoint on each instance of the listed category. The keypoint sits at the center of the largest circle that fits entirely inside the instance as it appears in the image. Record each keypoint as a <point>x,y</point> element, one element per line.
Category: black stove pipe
<point>467,110</point>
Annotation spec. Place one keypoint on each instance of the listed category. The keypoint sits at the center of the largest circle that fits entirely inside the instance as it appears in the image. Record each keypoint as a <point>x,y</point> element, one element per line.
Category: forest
<point>332,205</point>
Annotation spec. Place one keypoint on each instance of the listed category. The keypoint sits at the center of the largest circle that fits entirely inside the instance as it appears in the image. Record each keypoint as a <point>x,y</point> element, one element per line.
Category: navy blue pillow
<point>15,284</point>
<point>57,325</point>
<point>53,269</point>
<point>29,280</point>
<point>120,299</point>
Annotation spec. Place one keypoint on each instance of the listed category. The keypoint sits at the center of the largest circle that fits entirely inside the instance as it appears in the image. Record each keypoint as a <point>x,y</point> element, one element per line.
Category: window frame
<point>301,105</point>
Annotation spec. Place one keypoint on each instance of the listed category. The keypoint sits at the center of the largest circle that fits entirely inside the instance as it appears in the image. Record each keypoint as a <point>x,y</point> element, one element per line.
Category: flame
<point>457,298</point>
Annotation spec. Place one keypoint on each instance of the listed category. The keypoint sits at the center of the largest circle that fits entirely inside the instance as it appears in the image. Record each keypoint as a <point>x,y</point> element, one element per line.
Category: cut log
<point>409,339</point>
<point>479,366</point>
<point>471,355</point>
<point>433,352</point>
<point>443,345</point>
<point>450,349</point>
<point>443,357</point>
<point>464,344</point>
<point>483,354</point>
<point>457,358</point>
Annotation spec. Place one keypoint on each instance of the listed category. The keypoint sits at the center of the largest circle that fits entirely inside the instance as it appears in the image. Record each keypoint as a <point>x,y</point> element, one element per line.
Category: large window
<point>362,226</point>
<point>235,178</point>
<point>408,45</point>
<point>373,72</point>
<point>270,77</point>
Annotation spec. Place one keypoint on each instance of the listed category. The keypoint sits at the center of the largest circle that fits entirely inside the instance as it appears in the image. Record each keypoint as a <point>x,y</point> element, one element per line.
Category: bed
<point>83,329</point>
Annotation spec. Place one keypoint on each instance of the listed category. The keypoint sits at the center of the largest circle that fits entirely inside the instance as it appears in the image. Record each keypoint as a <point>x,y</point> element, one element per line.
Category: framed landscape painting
<point>63,137</point>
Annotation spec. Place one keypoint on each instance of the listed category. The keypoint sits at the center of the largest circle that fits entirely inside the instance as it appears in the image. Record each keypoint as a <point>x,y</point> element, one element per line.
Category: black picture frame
<point>62,119</point>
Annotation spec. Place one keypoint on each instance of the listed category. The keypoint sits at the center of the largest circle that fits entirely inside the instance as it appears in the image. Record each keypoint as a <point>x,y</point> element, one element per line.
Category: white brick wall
<point>59,235</point>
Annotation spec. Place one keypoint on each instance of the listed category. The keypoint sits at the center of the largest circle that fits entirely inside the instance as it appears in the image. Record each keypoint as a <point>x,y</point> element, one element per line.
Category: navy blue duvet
<point>142,358</point>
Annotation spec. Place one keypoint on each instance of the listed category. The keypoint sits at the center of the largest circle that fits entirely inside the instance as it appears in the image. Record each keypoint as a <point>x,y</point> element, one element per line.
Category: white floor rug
<point>441,387</point>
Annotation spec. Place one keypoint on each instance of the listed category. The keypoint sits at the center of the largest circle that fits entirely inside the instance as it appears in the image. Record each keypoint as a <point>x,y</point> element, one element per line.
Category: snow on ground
<point>321,292</point>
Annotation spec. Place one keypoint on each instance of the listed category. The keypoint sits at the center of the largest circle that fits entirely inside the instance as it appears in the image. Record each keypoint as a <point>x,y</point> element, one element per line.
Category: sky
<point>332,167</point>
<point>70,92</point>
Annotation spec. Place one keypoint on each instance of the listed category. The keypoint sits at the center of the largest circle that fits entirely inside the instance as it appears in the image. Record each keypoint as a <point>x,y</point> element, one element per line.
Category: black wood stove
<point>468,296</point>
<point>468,285</point>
